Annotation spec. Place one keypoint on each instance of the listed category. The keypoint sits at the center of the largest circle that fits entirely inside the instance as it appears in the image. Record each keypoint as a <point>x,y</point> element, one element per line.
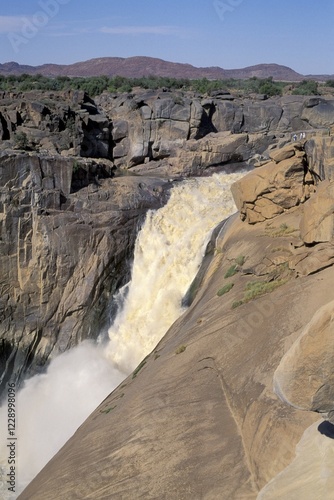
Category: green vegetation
<point>282,230</point>
<point>108,410</point>
<point>255,289</point>
<point>95,85</point>
<point>252,85</point>
<point>180,349</point>
<point>76,166</point>
<point>21,140</point>
<point>139,367</point>
<point>237,303</point>
<point>240,260</point>
<point>306,87</point>
<point>231,271</point>
<point>226,288</point>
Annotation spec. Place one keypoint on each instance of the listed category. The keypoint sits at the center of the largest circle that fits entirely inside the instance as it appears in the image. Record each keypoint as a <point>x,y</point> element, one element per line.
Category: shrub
<point>257,288</point>
<point>139,367</point>
<point>21,140</point>
<point>240,260</point>
<point>225,289</point>
<point>76,166</point>
<point>108,410</point>
<point>237,303</point>
<point>306,87</point>
<point>282,230</point>
<point>231,271</point>
<point>180,349</point>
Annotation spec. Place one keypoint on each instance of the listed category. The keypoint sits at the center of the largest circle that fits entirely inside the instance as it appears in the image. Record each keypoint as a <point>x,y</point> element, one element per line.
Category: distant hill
<point>133,67</point>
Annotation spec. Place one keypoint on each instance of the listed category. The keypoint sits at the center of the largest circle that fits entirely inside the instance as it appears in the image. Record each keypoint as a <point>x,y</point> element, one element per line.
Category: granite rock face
<point>299,380</point>
<point>317,224</point>
<point>157,123</point>
<point>66,242</point>
<point>150,126</point>
<point>320,156</point>
<point>279,185</point>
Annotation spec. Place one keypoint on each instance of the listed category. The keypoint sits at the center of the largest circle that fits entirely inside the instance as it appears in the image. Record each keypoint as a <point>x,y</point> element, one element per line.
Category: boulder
<point>210,151</point>
<point>226,116</point>
<point>317,222</point>
<point>306,261</point>
<point>281,184</point>
<point>261,116</point>
<point>283,153</point>
<point>305,376</point>
<point>320,153</point>
<point>119,130</point>
<point>292,106</point>
<point>319,114</point>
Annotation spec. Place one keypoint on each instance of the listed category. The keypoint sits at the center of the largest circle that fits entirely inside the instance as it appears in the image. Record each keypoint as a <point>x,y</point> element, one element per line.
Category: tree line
<point>95,85</point>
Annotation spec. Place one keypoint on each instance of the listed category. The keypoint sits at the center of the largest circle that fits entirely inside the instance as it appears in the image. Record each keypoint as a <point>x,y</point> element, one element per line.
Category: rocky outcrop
<point>67,235</point>
<point>158,123</point>
<point>318,113</point>
<point>150,126</point>
<point>317,224</point>
<point>201,156</point>
<point>298,379</point>
<point>279,185</point>
<point>320,153</point>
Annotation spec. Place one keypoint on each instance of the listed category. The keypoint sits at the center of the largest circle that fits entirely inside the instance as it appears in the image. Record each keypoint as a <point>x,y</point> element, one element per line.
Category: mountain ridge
<point>141,66</point>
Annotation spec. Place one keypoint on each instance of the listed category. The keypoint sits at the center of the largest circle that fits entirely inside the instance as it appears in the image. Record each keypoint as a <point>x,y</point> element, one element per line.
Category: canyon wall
<point>67,237</point>
<point>69,221</point>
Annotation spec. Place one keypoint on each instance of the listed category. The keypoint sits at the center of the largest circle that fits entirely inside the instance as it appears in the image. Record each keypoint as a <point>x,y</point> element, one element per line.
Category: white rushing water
<point>168,252</point>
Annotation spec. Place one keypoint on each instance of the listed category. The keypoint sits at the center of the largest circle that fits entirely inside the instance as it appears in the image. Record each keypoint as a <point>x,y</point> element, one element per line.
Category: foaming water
<point>50,407</point>
<point>168,253</point>
<point>310,476</point>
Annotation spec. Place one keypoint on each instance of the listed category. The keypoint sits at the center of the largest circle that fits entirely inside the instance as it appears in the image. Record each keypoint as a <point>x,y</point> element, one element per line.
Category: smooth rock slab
<point>317,223</point>
<point>305,376</point>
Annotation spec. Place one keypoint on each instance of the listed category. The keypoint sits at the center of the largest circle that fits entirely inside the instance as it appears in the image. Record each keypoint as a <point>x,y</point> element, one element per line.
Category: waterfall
<point>168,252</point>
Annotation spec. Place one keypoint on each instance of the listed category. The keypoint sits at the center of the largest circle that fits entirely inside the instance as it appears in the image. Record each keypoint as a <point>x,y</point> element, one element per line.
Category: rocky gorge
<point>68,225</point>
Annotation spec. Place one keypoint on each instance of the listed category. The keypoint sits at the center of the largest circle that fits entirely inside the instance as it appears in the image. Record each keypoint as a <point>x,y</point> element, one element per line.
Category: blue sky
<point>225,33</point>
